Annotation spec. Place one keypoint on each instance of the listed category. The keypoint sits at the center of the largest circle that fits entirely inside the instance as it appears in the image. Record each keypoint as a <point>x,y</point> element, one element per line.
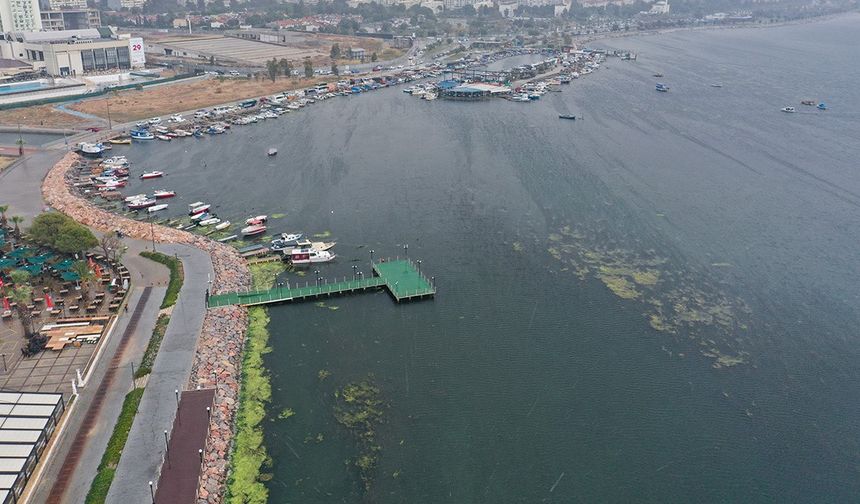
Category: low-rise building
<point>74,52</point>
<point>69,19</point>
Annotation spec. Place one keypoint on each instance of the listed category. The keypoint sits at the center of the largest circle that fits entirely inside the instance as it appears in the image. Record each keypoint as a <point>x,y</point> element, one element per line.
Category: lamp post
<point>317,274</point>
<point>406,250</point>
<point>152,231</point>
<point>354,268</point>
<point>371,257</point>
<point>419,266</point>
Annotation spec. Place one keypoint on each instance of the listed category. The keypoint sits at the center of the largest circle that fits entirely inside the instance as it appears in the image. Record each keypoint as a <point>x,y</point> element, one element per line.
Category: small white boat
<point>195,204</point>
<point>155,120</point>
<point>209,221</point>
<point>272,152</point>
<point>135,197</point>
<point>151,175</point>
<point>199,209</point>
<point>155,208</point>
<point>789,110</point>
<point>176,118</point>
<point>310,256</point>
<point>254,230</point>
<point>260,219</point>
<point>163,137</point>
<point>163,194</point>
<point>197,218</point>
<point>223,225</point>
<point>139,204</point>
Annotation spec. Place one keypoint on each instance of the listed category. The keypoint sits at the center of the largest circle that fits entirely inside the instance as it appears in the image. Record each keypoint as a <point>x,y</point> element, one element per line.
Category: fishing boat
<point>155,208</point>
<point>253,230</point>
<point>662,88</point>
<point>223,225</point>
<point>821,106</point>
<point>202,216</point>
<point>141,135</point>
<point>120,141</point>
<point>260,219</point>
<point>567,116</point>
<point>199,209</point>
<point>163,194</point>
<point>209,221</point>
<point>139,204</point>
<point>310,256</point>
<point>151,175</point>
<point>788,110</point>
<point>272,152</point>
<point>91,149</point>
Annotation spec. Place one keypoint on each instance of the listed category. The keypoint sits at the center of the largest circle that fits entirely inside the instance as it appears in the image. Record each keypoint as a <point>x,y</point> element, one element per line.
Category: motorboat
<point>163,194</point>
<point>811,103</point>
<point>135,197</point>
<point>199,209</point>
<point>658,75</point>
<point>788,110</point>
<point>222,226</point>
<point>209,221</point>
<point>821,106</point>
<point>115,160</point>
<point>272,152</point>
<point>291,237</point>
<point>141,135</point>
<point>716,85</point>
<point>151,175</point>
<point>142,203</point>
<point>202,216</point>
<point>310,256</point>
<point>260,219</point>
<point>195,204</point>
<point>91,149</point>
<point>323,245</point>
<point>155,208</point>
<point>567,116</point>
<point>164,137</point>
<point>662,88</point>
<point>254,230</point>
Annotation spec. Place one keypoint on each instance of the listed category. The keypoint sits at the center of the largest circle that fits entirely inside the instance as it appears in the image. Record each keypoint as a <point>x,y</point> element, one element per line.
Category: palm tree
<point>3,209</point>
<point>84,275</point>
<point>17,219</point>
<point>22,294</point>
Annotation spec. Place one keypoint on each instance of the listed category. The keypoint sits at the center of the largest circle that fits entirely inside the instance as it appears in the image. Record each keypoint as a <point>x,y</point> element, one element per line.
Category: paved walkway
<point>141,458</point>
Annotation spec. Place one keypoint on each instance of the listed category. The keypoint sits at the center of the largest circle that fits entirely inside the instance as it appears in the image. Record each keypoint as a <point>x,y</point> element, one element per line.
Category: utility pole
<point>110,123</point>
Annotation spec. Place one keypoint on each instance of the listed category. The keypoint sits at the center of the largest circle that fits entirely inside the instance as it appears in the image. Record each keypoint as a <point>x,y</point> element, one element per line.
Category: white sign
<point>135,51</point>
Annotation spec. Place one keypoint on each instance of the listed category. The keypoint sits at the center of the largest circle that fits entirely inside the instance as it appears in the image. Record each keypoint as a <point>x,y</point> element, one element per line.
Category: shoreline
<point>218,356</point>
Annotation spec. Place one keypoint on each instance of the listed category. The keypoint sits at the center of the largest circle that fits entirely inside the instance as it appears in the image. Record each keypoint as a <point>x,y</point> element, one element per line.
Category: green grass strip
<point>245,484</point>
<point>101,483</point>
<point>176,275</point>
<point>153,346</point>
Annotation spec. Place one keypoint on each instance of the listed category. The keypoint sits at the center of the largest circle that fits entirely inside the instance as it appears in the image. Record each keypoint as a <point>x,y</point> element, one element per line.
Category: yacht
<point>310,256</point>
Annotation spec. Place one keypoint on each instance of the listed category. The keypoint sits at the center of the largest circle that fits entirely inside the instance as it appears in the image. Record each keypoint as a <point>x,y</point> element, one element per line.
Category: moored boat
<point>120,141</point>
<point>310,256</point>
<point>151,175</point>
<point>139,204</point>
<point>209,221</point>
<point>197,218</point>
<point>253,230</point>
<point>163,137</point>
<point>141,135</point>
<point>260,219</point>
<point>135,197</point>
<point>199,209</point>
<point>155,208</point>
<point>163,194</point>
<point>223,225</point>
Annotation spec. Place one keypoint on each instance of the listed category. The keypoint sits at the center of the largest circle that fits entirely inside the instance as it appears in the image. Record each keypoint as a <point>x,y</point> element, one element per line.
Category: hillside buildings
<point>20,15</point>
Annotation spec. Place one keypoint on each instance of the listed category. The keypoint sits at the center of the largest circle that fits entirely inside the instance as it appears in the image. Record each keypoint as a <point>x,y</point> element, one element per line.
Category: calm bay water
<point>523,381</point>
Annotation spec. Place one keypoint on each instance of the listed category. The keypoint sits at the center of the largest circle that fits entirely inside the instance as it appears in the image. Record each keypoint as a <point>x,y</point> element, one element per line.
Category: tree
<point>84,275</point>
<point>61,233</point>
<point>3,209</point>
<point>112,247</point>
<point>286,67</point>
<point>334,68</point>
<point>309,68</point>
<point>16,220</point>
<point>22,295</point>
<point>335,51</point>
<point>272,69</point>
<point>374,57</point>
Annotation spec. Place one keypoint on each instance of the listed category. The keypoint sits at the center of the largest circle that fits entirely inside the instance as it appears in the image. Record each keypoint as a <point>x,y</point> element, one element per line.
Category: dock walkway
<point>403,280</point>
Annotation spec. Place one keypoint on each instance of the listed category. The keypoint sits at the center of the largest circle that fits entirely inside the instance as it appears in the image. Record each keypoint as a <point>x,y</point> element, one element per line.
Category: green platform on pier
<point>401,277</point>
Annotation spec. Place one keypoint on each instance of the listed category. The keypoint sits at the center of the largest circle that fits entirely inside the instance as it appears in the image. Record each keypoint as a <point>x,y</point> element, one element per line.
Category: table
<point>74,308</point>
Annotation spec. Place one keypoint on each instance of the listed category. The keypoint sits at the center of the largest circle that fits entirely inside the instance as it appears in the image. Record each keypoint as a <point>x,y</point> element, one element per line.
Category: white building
<point>65,4</point>
<point>74,52</point>
<point>660,7</point>
<point>20,15</point>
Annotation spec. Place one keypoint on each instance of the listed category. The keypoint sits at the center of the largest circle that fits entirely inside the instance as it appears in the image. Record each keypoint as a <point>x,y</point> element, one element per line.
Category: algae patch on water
<point>683,301</point>
<point>359,408</point>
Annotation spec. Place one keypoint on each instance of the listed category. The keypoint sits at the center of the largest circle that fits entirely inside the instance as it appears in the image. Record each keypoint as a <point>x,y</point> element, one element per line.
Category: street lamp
<point>317,274</point>
<point>406,250</point>
<point>371,256</point>
<point>419,267</point>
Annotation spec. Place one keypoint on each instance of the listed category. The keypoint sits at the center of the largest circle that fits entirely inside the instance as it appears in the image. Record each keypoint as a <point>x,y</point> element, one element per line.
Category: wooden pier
<point>401,277</point>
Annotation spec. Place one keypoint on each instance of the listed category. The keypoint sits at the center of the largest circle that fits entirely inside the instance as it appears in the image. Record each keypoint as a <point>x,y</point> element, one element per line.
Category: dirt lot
<point>42,115</point>
<point>134,105</point>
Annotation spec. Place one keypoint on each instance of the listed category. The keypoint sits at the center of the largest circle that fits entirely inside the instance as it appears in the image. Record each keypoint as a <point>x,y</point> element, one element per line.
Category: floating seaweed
<point>358,408</point>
